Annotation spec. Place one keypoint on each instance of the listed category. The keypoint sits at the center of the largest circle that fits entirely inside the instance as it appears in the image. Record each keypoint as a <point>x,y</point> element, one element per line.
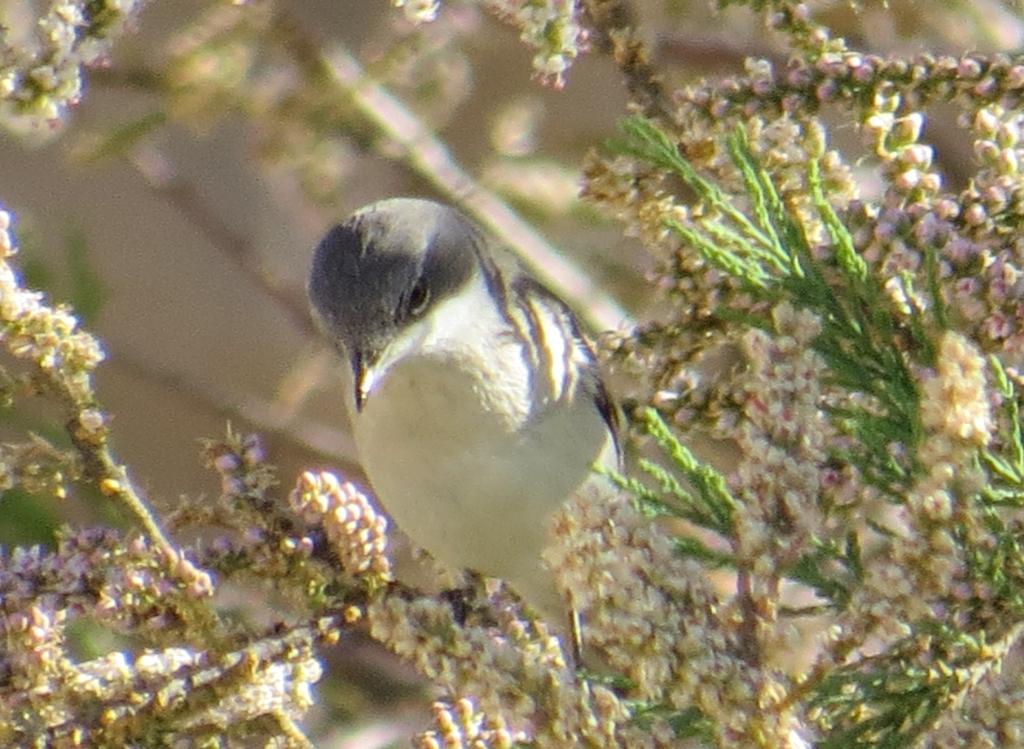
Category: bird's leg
<point>465,599</point>
<point>460,600</point>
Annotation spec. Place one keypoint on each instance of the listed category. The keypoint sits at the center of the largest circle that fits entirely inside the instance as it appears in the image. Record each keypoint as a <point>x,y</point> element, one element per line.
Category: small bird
<point>476,404</point>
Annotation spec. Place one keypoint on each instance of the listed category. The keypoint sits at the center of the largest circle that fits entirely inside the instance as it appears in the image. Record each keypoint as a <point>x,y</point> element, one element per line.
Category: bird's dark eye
<point>419,297</point>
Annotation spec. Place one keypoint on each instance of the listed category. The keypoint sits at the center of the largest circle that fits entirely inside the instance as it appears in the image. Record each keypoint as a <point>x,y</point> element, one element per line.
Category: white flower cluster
<point>49,336</point>
<point>42,76</point>
<point>419,11</point>
<point>357,531</point>
<point>550,27</point>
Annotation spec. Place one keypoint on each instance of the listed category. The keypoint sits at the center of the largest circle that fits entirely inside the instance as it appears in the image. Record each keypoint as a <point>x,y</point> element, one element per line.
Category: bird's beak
<point>359,372</point>
<point>372,359</point>
<point>365,373</point>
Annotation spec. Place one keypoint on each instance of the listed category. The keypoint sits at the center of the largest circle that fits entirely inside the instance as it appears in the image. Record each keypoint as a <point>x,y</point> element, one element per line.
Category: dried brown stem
<point>612,24</point>
<point>163,180</point>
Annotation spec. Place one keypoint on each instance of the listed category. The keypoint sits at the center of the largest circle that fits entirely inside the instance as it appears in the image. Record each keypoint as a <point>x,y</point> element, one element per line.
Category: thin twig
<point>612,26</point>
<point>112,479</point>
<point>162,179</point>
<point>267,416</point>
<point>291,731</point>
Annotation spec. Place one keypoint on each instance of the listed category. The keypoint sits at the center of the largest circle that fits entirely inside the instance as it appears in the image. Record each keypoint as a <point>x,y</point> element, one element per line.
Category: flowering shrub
<point>819,541</point>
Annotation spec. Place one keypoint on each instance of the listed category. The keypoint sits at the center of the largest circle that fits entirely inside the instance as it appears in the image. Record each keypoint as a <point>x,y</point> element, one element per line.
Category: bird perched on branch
<point>476,403</point>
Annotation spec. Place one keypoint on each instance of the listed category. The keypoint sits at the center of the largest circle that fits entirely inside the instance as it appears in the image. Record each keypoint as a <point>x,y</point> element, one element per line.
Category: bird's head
<point>378,277</point>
